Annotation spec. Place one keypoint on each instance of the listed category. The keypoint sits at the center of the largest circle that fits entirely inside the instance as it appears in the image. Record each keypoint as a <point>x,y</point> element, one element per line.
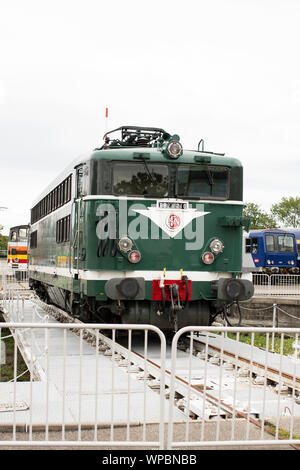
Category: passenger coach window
<point>285,243</point>
<point>270,245</point>
<point>203,181</point>
<point>140,179</point>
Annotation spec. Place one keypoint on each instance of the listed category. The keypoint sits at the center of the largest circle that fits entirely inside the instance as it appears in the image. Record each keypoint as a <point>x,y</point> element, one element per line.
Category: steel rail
<point>272,373</point>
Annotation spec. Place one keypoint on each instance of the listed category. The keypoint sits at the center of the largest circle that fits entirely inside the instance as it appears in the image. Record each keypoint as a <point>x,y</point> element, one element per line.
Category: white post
<point>274,326</point>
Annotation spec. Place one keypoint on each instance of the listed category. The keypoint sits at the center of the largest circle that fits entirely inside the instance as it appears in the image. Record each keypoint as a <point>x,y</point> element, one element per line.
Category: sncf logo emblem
<point>173,221</point>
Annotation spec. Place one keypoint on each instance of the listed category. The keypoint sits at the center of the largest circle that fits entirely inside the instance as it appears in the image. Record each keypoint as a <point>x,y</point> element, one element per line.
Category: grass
<point>282,434</point>
<point>260,340</point>
<point>7,370</point>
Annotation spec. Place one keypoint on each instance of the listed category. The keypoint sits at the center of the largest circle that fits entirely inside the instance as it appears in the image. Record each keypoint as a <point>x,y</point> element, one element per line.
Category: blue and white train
<point>272,251</point>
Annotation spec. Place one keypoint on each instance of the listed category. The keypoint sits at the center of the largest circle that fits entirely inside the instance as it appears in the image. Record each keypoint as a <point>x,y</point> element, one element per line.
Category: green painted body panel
<point>161,253</point>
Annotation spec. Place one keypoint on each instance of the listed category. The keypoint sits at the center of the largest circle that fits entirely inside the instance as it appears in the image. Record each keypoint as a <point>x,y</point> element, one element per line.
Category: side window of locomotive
<point>247,245</point>
<point>139,179</point>
<point>270,244</point>
<point>81,175</point>
<point>63,229</point>
<point>254,245</point>
<point>285,243</point>
<point>203,181</point>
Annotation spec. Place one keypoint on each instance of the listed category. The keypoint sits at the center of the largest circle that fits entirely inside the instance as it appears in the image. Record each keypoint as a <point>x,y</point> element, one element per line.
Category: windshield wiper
<point>147,169</point>
<point>209,176</point>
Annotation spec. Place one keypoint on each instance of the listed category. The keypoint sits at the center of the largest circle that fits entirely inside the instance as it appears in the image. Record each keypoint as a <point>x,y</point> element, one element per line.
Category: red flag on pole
<point>106,116</point>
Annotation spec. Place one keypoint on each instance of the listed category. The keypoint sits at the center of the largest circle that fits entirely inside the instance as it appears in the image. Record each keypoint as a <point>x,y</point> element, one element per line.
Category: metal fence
<point>78,382</point>
<point>18,280</point>
<point>276,284</point>
<point>116,386</point>
<point>237,394</point>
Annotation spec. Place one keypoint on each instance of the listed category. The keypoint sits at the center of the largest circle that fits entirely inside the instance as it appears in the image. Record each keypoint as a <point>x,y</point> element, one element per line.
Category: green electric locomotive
<point>141,231</point>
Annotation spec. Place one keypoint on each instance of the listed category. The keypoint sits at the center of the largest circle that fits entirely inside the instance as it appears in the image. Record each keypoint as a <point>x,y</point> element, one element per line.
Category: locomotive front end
<point>141,231</point>
<point>163,243</point>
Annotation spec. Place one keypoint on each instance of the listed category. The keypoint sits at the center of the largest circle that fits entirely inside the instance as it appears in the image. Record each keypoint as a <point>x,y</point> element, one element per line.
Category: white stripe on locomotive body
<point>132,198</point>
<point>148,275</point>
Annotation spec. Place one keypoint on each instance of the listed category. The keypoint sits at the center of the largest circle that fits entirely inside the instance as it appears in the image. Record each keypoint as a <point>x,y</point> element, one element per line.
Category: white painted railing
<point>276,284</point>
<point>238,394</point>
<point>81,381</point>
<point>96,388</point>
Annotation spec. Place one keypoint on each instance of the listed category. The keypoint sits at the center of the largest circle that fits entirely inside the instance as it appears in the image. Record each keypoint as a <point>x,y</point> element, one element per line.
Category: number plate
<point>172,205</point>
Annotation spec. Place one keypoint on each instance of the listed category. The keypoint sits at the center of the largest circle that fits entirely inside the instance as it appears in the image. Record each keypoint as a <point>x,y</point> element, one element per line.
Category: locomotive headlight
<point>134,256</point>
<point>174,149</point>
<point>292,262</point>
<point>125,244</point>
<point>268,261</point>
<point>216,246</point>
<point>208,258</point>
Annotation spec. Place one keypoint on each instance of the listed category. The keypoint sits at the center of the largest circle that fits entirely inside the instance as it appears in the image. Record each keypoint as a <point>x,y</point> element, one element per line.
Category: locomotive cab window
<point>203,181</point>
<point>13,236</point>
<point>270,244</point>
<point>145,179</point>
<point>23,233</point>
<point>285,243</point>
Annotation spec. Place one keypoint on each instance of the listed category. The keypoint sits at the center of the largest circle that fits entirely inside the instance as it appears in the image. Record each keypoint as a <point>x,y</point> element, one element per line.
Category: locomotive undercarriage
<point>167,316</point>
<point>280,270</point>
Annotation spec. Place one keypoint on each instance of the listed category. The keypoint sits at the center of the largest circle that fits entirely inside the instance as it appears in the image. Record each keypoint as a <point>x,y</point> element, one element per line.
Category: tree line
<point>284,214</point>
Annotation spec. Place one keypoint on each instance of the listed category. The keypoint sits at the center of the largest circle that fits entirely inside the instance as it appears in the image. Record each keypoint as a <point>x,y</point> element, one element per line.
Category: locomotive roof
<point>274,231</point>
<point>156,155</point>
<point>15,227</point>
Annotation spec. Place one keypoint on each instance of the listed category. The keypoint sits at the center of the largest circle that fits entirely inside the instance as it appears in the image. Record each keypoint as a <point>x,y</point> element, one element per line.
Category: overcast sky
<point>227,71</point>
